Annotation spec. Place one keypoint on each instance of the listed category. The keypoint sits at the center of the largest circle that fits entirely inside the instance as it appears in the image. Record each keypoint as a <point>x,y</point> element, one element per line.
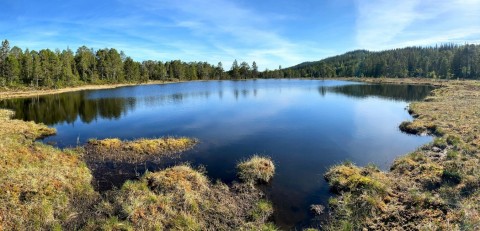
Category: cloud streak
<point>236,31</point>
<point>384,24</point>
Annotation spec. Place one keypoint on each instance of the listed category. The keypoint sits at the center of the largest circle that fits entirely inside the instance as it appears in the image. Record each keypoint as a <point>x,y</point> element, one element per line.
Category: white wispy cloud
<point>232,31</point>
<point>383,24</point>
<point>190,30</point>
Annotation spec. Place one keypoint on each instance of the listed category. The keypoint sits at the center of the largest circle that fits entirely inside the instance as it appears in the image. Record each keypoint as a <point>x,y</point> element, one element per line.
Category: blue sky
<point>270,32</point>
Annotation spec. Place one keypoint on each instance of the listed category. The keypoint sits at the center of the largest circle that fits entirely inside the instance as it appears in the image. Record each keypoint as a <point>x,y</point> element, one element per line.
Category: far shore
<point>8,94</point>
<point>29,92</point>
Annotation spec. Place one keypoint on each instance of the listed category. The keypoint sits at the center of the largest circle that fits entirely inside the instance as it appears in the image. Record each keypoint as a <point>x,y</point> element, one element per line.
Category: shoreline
<point>29,92</point>
<point>11,94</point>
<point>436,187</point>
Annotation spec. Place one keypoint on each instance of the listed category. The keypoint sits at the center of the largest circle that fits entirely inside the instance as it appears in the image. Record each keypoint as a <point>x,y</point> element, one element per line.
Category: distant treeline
<point>446,61</point>
<point>52,69</point>
<point>47,68</point>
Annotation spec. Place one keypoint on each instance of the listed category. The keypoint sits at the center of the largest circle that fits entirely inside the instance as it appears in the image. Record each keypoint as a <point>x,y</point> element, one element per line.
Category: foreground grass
<point>433,188</point>
<point>181,198</point>
<point>40,187</point>
<point>44,188</point>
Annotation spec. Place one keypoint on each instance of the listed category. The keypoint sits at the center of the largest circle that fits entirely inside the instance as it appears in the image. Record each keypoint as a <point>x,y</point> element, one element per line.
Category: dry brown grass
<point>137,150</point>
<point>41,187</point>
<point>177,178</point>
<point>409,81</point>
<point>181,198</point>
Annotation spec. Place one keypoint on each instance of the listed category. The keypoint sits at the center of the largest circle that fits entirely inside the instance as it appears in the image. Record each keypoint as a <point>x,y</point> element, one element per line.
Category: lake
<point>305,126</point>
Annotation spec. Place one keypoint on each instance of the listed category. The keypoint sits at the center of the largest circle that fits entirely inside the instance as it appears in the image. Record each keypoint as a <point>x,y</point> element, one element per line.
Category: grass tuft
<point>256,169</point>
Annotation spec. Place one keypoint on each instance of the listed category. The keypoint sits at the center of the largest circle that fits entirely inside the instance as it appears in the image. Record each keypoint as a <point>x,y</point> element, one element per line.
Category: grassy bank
<point>435,187</point>
<point>45,188</point>
<point>41,187</point>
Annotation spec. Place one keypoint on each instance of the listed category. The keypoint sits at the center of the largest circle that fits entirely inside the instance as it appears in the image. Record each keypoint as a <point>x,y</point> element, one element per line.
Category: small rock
<point>436,149</point>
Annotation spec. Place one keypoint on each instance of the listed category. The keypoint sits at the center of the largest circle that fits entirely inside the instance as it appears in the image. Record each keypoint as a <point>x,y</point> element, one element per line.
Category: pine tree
<point>12,70</point>
<point>4,50</point>
<point>235,70</point>
<point>254,70</point>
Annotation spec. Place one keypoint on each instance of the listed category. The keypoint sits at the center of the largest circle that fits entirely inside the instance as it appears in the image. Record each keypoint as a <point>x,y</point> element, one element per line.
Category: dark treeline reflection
<point>386,91</point>
<point>67,107</point>
<point>88,106</point>
<point>91,105</point>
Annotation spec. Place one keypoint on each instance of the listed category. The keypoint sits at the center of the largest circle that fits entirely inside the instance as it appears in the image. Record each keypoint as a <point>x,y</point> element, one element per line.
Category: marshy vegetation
<point>136,151</point>
<point>182,198</point>
<point>435,187</point>
<point>41,187</point>
<point>45,188</point>
<point>256,169</point>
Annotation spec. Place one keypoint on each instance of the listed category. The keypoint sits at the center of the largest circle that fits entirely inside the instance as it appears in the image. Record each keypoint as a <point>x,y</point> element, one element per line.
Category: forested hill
<point>445,61</point>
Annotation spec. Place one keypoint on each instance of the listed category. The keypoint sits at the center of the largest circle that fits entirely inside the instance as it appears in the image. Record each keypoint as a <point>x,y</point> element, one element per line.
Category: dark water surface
<point>304,125</point>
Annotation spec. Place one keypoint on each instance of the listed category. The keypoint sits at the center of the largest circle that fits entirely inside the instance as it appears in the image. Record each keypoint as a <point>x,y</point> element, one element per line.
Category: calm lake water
<point>304,125</point>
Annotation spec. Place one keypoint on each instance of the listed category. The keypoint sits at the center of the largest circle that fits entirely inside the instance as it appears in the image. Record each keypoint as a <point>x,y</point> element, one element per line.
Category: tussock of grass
<point>181,198</point>
<point>41,187</point>
<point>347,177</point>
<point>434,188</point>
<point>364,194</point>
<point>181,176</point>
<point>137,150</point>
<point>256,169</point>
